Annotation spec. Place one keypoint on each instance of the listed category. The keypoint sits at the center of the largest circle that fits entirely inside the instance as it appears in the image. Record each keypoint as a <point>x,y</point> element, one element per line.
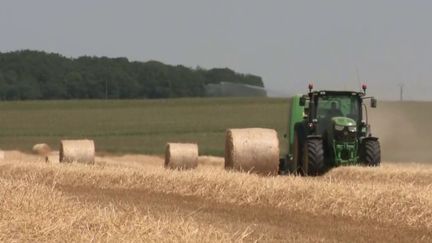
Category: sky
<point>335,44</point>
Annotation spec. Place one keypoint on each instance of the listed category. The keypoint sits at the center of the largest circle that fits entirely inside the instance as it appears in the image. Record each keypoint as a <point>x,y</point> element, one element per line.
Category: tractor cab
<point>332,130</point>
<point>329,105</point>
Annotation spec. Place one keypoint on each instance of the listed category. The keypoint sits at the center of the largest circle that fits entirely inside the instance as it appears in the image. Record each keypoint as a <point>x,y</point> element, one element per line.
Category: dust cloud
<point>404,131</point>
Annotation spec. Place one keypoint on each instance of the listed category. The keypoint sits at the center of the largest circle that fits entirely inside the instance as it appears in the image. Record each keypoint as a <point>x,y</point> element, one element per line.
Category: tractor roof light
<point>364,87</point>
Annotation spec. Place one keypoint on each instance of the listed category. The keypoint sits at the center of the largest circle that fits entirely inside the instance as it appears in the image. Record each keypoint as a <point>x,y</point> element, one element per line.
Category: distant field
<point>144,126</point>
<point>136,126</point>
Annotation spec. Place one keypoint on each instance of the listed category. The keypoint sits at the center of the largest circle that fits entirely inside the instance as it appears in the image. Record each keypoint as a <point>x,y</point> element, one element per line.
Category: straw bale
<point>41,149</point>
<point>253,150</point>
<point>181,156</point>
<point>81,151</point>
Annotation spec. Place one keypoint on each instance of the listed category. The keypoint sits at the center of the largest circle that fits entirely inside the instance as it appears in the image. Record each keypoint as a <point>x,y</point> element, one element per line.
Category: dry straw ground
<point>133,198</point>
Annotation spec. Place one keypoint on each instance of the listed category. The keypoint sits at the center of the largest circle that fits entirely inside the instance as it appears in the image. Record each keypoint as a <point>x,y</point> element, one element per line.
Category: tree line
<point>30,75</point>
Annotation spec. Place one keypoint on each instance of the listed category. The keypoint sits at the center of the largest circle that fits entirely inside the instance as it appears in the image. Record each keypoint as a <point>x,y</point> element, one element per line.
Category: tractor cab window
<point>329,106</point>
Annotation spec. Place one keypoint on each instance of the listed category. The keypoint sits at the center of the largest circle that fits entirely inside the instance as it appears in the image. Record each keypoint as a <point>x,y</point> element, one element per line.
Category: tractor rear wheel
<point>313,157</point>
<point>371,154</point>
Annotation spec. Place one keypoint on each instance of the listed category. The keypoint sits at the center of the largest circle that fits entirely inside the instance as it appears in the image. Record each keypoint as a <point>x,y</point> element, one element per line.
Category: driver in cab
<point>334,110</point>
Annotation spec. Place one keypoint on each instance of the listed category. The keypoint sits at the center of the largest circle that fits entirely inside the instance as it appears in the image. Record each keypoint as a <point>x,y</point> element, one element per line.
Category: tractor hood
<point>344,121</point>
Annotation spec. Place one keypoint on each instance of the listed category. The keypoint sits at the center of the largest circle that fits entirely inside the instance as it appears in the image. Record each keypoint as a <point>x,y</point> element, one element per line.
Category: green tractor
<point>329,129</point>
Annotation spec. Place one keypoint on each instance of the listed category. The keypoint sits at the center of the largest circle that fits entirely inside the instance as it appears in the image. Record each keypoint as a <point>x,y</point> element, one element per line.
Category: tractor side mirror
<point>305,112</point>
<point>302,101</point>
<point>374,103</point>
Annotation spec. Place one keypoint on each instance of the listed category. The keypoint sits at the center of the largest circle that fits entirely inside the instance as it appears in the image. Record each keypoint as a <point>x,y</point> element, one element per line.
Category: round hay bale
<point>181,156</point>
<point>41,149</point>
<point>252,150</point>
<point>81,151</point>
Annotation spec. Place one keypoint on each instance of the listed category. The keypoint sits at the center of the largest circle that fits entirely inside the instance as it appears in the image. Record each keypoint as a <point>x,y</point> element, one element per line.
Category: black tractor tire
<point>313,163</point>
<point>287,166</point>
<point>371,153</point>
<point>283,166</point>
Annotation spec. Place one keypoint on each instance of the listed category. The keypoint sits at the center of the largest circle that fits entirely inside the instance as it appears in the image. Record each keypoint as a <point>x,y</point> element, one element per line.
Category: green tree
<point>38,75</point>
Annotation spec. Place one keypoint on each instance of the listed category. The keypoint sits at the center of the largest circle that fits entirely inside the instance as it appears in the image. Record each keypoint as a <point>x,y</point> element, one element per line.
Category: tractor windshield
<point>329,106</point>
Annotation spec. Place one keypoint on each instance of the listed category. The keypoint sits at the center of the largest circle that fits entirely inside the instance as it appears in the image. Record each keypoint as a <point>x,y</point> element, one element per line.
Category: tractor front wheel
<point>313,157</point>
<point>371,153</point>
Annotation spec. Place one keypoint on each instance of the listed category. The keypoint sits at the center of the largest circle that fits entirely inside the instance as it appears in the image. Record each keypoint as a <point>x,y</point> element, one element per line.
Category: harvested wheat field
<point>134,198</point>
